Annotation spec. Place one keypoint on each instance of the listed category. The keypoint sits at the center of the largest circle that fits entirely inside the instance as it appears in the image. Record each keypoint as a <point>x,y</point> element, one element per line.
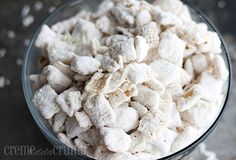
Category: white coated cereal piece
<point>65,140</point>
<point>210,57</point>
<point>152,149</point>
<point>150,124</point>
<point>69,101</point>
<point>155,85</point>
<point>126,118</point>
<point>65,69</point>
<point>84,47</point>
<point>150,32</point>
<point>147,97</point>
<point>175,7</point>
<point>104,8</point>
<point>188,67</point>
<point>166,72</point>
<point>122,94</point>
<point>123,105</point>
<point>34,79</point>
<point>219,103</point>
<point>99,83</point>
<point>113,39</point>
<point>166,97</point>
<point>146,156</point>
<point>168,19</point>
<point>93,47</point>
<point>169,110</point>
<point>199,62</point>
<point>139,73</point>
<point>83,147</point>
<point>44,99</point>
<point>120,61</point>
<point>115,139</point>
<point>59,120</point>
<point>201,114</point>
<point>67,25</point>
<point>72,128</point>
<point>124,48</point>
<point>186,137</point>
<point>99,110</point>
<point>85,65</point>
<point>118,78</point>
<point>143,17</point>
<point>109,64</point>
<point>141,109</point>
<point>212,44</point>
<point>132,6</point>
<point>141,47</point>
<point>154,10</point>
<point>212,86</point>
<point>99,57</point>
<point>171,48</point>
<point>193,33</point>
<point>175,89</point>
<point>185,78</point>
<point>129,88</point>
<point>190,98</point>
<point>163,140</point>
<point>219,68</point>
<point>138,142</point>
<point>91,136</point>
<point>104,24</point>
<point>102,49</point>
<point>190,50</point>
<point>122,15</point>
<point>61,51</point>
<point>86,29</point>
<point>46,37</point>
<point>184,14</point>
<point>83,119</point>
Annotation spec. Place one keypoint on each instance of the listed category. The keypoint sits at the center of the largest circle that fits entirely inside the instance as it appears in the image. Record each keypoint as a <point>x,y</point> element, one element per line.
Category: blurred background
<point>19,19</point>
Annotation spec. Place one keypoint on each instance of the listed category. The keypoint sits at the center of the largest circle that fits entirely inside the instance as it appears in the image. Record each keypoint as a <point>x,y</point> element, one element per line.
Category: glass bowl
<point>33,54</point>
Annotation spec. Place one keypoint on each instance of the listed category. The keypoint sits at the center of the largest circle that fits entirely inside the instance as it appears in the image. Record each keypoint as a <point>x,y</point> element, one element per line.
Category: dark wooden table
<point>17,127</point>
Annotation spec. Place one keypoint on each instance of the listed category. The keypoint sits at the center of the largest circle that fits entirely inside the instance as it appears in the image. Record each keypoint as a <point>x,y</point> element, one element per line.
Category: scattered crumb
<point>221,4</point>
<point>51,9</point>
<point>3,51</point>
<point>28,20</point>
<point>208,154</point>
<point>38,6</point>
<point>26,42</point>
<point>2,82</point>
<point>25,10</point>
<point>19,62</point>
<point>11,34</point>
<point>7,82</point>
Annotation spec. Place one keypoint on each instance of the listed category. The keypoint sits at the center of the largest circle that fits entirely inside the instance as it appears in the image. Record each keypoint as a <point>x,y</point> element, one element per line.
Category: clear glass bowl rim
<point>55,141</point>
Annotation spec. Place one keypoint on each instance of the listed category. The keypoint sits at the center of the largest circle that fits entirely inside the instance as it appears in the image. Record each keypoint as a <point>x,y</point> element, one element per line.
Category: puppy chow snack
<point>130,81</point>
